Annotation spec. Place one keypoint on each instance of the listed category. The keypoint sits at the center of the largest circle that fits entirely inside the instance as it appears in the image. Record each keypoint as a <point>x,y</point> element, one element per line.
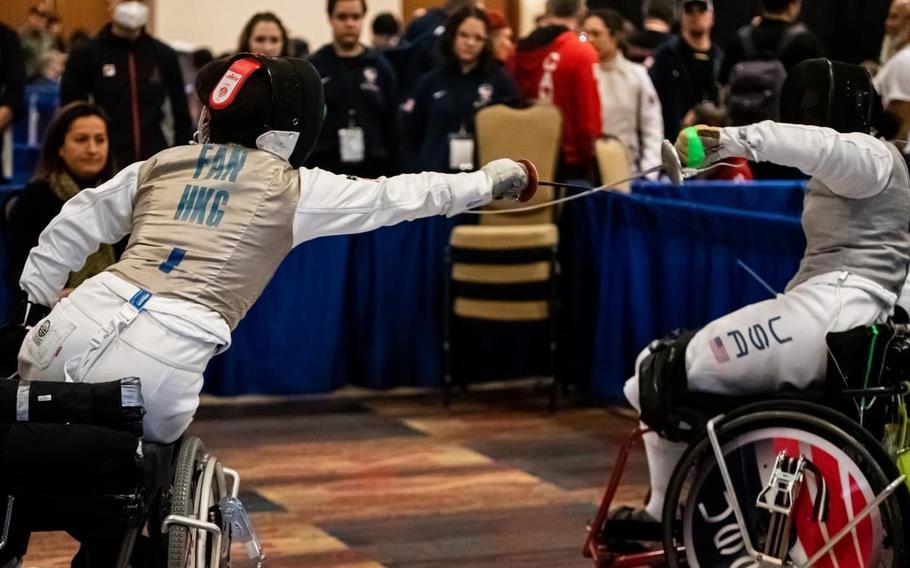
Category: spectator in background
<point>386,30</point>
<point>12,83</point>
<point>359,135</point>
<point>552,65</point>
<point>36,41</point>
<point>503,37</point>
<point>198,59</point>
<point>439,119</point>
<point>78,38</point>
<point>264,33</point>
<point>659,17</point>
<point>298,47</point>
<point>776,36</point>
<point>52,65</point>
<point>55,30</point>
<point>434,18</point>
<point>418,52</point>
<point>686,66</point>
<point>75,155</point>
<point>893,84</point>
<point>629,104</point>
<point>130,74</point>
<point>897,29</point>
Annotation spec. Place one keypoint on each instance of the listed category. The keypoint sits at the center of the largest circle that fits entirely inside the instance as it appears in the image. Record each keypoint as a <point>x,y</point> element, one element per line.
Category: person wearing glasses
<point>439,117</point>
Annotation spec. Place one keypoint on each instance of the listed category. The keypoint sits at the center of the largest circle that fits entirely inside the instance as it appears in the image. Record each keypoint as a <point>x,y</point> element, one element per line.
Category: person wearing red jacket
<point>552,65</point>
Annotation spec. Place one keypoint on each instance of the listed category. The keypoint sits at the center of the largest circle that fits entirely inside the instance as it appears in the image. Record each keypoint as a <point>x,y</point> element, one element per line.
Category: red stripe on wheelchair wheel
<point>849,552</point>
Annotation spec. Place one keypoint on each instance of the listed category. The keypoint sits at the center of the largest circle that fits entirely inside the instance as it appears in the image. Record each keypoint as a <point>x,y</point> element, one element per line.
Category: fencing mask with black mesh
<point>838,95</point>
<point>283,116</point>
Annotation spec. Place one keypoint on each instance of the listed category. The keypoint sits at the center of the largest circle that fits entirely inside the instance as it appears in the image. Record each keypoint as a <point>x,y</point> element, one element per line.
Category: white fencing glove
<point>699,146</point>
<point>511,179</point>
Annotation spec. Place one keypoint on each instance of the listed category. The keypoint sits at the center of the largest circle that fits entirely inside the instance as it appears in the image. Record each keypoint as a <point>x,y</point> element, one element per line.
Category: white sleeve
<point>93,216</point>
<point>854,165</point>
<point>651,122</point>
<point>332,204</point>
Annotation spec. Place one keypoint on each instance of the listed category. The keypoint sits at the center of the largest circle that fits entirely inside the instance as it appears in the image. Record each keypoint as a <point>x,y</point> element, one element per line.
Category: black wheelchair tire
<point>834,426</point>
<point>182,500</point>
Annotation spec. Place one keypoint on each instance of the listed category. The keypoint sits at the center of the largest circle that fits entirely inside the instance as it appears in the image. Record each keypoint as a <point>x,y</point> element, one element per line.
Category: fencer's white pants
<point>96,335</point>
<point>762,347</point>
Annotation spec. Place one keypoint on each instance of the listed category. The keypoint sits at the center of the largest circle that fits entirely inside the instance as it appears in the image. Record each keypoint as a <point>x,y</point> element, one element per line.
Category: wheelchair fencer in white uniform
<point>857,223</point>
<point>209,223</point>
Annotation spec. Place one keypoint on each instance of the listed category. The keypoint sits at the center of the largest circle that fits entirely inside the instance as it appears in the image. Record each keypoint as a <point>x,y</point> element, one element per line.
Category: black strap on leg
<point>663,386</point>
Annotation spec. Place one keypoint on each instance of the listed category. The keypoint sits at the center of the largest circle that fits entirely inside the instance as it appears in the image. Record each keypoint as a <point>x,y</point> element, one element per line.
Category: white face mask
<point>131,15</point>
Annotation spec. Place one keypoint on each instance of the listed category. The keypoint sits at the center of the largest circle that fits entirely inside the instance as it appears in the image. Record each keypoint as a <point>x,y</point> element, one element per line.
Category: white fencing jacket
<point>209,224</point>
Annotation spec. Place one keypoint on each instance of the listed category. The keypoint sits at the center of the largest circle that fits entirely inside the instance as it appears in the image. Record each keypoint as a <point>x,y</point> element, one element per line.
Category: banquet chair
<point>502,273</point>
<point>613,162</point>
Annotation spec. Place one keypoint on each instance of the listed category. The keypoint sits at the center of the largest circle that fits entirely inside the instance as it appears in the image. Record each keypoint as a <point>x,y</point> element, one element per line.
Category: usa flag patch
<point>719,351</point>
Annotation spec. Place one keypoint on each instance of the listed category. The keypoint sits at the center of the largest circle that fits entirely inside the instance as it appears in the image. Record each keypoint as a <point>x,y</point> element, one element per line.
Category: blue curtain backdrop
<point>367,309</point>
<point>637,267</point>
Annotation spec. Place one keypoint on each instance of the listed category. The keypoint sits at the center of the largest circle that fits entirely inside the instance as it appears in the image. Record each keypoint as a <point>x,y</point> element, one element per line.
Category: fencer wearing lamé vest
<point>869,236</point>
<point>211,224</point>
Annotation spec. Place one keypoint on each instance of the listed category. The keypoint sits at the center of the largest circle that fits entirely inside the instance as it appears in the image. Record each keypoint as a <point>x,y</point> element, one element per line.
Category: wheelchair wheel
<point>700,528</point>
<point>181,546</point>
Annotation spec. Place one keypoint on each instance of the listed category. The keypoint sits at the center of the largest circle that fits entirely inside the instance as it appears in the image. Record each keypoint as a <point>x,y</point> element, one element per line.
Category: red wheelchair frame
<point>598,550</point>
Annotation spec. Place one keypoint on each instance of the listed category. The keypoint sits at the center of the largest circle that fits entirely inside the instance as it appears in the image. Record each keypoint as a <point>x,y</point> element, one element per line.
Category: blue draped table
<point>367,309</point>
<point>362,309</point>
<point>781,197</point>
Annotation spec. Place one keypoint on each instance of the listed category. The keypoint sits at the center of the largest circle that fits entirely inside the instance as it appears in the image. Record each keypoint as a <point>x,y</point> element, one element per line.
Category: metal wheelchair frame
<point>225,519</point>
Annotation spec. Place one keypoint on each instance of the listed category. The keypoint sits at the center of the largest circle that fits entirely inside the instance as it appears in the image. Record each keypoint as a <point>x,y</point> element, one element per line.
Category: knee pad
<point>663,386</point>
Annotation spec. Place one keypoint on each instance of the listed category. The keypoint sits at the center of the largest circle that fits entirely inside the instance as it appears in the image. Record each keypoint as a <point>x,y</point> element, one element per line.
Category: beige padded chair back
<point>614,162</point>
<point>514,237</point>
<point>532,133</point>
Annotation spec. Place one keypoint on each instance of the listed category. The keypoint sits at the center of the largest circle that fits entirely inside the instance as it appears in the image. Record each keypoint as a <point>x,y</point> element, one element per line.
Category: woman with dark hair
<point>439,117</point>
<point>265,34</point>
<point>75,155</point>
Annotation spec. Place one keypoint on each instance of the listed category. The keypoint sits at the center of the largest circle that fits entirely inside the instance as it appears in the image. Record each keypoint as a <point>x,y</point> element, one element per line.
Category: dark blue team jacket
<point>444,100</point>
<point>367,85</point>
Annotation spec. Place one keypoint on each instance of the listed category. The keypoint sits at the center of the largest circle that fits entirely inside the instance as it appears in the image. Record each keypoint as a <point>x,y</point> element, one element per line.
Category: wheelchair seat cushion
<point>114,404</point>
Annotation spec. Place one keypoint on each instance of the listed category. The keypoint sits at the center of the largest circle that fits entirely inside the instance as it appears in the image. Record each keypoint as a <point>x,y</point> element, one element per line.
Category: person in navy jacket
<point>439,118</point>
<point>360,133</point>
